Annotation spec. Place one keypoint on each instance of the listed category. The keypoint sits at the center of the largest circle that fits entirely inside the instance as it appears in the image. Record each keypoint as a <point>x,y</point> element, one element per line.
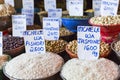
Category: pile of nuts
<point>117,46</point>
<point>3,59</point>
<point>104,48</point>
<point>56,46</point>
<point>10,43</point>
<point>65,32</point>
<point>106,20</point>
<point>72,46</point>
<point>6,10</point>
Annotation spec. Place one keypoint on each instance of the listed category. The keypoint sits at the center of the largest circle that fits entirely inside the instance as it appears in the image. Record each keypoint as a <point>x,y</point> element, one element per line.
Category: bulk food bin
<point>28,66</point>
<point>6,11</point>
<point>101,69</point>
<point>109,27</point>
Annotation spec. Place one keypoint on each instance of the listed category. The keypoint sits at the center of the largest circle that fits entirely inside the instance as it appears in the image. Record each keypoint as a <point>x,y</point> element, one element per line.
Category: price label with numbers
<point>18,25</point>
<point>29,16</point>
<point>1,43</point>
<point>75,7</point>
<point>96,7</point>
<point>55,13</point>
<point>28,4</point>
<point>109,7</point>
<point>34,41</point>
<point>51,28</point>
<point>88,39</point>
<point>11,2</point>
<point>49,4</point>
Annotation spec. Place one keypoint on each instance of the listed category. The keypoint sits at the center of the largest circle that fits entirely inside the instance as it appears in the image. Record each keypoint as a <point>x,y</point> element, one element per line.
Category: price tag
<point>28,4</point>
<point>1,43</point>
<point>55,13</point>
<point>34,41</point>
<point>49,4</point>
<point>29,16</point>
<point>75,7</point>
<point>51,28</point>
<point>11,2</point>
<point>88,38</point>
<point>109,7</point>
<point>67,5</point>
<point>18,25</point>
<point>96,7</point>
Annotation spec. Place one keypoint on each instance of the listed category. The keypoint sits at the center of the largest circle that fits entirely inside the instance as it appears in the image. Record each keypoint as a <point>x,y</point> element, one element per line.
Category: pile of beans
<point>10,43</point>
<point>106,20</point>
<point>56,46</point>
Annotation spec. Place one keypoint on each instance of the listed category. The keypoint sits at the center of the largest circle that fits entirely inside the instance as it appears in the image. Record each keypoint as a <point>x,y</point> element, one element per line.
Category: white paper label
<point>88,38</point>
<point>28,4</point>
<point>55,13</point>
<point>34,41</point>
<point>67,5</point>
<point>49,4</point>
<point>11,2</point>
<point>109,7</point>
<point>51,28</point>
<point>96,7</point>
<point>1,43</point>
<point>18,25</point>
<point>75,7</point>
<point>29,16</point>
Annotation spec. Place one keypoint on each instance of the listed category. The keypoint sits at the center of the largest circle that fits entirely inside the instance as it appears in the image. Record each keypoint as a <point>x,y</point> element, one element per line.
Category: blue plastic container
<point>71,23</point>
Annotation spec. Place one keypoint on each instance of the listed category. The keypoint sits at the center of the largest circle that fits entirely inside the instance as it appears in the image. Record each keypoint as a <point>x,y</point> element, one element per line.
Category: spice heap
<point>33,66</point>
<point>101,69</point>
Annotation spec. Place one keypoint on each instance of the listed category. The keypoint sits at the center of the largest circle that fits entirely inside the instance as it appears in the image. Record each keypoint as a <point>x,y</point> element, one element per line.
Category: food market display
<point>104,48</point>
<point>33,66</point>
<point>34,57</point>
<point>102,69</point>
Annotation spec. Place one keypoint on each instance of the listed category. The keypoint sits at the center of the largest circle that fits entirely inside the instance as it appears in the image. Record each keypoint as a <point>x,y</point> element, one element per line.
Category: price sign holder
<point>18,25</point>
<point>49,4</point>
<point>11,2</point>
<point>28,4</point>
<point>75,7</point>
<point>51,28</point>
<point>88,39</point>
<point>109,7</point>
<point>96,7</point>
<point>34,41</point>
<point>29,16</point>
